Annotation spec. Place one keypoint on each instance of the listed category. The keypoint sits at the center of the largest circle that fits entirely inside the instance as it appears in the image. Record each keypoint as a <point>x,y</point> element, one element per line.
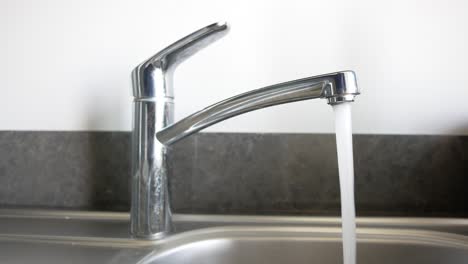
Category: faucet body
<point>154,128</point>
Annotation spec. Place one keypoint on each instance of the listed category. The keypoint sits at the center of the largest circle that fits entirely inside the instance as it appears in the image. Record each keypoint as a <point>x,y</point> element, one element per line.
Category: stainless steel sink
<point>93,237</point>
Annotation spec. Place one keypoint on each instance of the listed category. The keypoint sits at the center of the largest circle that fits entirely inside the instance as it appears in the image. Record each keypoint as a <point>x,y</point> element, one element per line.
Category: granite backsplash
<point>239,173</point>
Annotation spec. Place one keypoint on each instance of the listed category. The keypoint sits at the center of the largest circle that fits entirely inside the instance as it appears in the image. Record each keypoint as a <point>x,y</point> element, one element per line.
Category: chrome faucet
<point>154,128</point>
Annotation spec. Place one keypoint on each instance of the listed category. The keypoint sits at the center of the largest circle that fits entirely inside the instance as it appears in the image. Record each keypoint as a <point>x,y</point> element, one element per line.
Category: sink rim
<point>447,230</point>
<point>368,221</point>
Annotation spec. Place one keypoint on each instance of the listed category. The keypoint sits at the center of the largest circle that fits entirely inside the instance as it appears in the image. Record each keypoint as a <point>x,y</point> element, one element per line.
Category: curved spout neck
<point>335,87</point>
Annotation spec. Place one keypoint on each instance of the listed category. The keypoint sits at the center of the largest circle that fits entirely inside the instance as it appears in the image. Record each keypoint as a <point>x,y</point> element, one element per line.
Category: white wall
<point>65,65</point>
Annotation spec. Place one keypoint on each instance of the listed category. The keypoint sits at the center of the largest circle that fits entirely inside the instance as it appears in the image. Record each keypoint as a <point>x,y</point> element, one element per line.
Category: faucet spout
<point>335,87</point>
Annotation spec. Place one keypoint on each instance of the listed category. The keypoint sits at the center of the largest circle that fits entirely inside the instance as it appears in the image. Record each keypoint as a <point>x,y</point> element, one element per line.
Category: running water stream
<point>344,145</point>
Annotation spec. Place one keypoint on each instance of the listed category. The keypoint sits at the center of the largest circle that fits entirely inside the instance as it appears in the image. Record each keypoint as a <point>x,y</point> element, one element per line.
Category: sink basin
<point>93,237</point>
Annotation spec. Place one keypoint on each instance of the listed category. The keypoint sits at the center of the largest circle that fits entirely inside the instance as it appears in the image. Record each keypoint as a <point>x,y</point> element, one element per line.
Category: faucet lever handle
<point>165,61</point>
<point>182,49</point>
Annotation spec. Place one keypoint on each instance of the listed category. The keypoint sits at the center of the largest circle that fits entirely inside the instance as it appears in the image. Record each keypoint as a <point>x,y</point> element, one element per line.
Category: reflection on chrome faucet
<point>154,128</point>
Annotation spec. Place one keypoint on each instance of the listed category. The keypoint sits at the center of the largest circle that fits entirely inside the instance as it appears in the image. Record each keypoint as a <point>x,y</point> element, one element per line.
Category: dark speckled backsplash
<point>240,173</point>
